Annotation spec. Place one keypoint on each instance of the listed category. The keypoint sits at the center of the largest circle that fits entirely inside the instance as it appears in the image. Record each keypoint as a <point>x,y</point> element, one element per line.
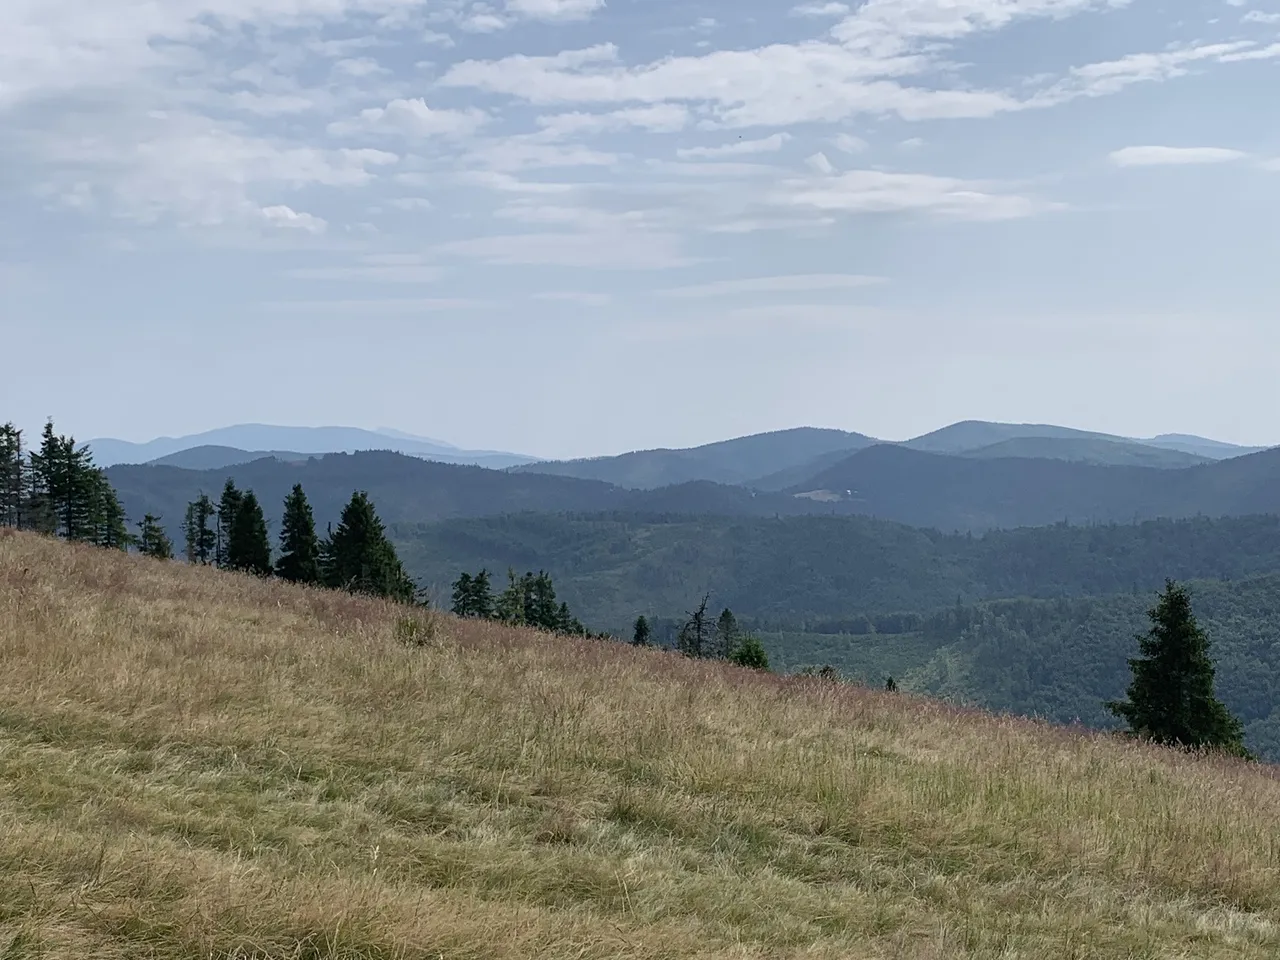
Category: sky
<point>576,227</point>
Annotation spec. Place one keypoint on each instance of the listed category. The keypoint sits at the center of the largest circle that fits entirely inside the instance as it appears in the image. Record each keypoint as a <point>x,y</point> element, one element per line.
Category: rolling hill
<point>965,493</point>
<point>970,435</point>
<point>1114,453</point>
<point>727,462</point>
<point>204,765</point>
<point>404,488</point>
<point>213,457</point>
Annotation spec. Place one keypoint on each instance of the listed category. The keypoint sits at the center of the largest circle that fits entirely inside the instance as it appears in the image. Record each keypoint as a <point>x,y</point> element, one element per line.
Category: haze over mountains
<point>244,442</point>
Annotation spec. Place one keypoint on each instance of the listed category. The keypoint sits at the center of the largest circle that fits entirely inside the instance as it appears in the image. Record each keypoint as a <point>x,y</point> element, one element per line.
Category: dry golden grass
<point>200,765</point>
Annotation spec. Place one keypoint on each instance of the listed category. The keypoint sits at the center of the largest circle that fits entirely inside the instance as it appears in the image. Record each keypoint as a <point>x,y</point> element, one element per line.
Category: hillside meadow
<point>195,764</point>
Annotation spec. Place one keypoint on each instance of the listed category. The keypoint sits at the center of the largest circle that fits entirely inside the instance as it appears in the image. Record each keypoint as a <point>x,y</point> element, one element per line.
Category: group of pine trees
<point>57,490</point>
<point>527,601</point>
<point>357,556</point>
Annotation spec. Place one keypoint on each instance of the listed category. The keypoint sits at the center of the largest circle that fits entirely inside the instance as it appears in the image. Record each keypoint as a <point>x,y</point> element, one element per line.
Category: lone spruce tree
<point>358,557</point>
<point>641,635</point>
<point>1171,698</point>
<point>299,548</point>
<point>248,548</point>
<point>727,634</point>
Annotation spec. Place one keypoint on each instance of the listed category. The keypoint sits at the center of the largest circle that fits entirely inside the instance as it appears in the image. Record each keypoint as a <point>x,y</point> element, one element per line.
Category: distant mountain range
<point>768,461</point>
<point>226,446</point>
<point>887,481</point>
<point>777,461</point>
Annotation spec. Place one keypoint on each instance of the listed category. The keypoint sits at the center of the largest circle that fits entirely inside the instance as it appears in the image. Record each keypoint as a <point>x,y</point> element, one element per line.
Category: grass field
<point>200,765</point>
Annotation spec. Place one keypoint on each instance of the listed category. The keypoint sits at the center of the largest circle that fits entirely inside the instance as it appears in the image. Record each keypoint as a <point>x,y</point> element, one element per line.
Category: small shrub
<point>750,652</point>
<point>418,630</point>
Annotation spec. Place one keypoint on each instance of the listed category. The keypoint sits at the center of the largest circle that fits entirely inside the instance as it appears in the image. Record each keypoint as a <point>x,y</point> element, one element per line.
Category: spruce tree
<point>568,624</point>
<point>106,517</point>
<point>640,634</point>
<point>248,548</point>
<point>299,547</point>
<point>358,557</point>
<point>510,606</point>
<point>482,596</point>
<point>1171,698</point>
<point>463,596</point>
<point>891,685</point>
<point>38,509</point>
<point>12,476</point>
<point>541,609</point>
<point>152,541</point>
<point>201,538</point>
<point>228,506</point>
<point>727,633</point>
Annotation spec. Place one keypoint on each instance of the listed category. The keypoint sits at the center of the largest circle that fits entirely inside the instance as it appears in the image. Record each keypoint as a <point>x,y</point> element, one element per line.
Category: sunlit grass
<point>201,765</point>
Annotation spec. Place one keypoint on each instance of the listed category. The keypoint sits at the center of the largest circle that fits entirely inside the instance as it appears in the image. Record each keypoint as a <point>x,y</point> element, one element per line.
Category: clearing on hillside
<point>203,765</point>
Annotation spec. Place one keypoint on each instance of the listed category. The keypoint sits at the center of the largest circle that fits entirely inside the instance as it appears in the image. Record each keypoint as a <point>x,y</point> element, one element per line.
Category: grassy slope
<point>197,765</point>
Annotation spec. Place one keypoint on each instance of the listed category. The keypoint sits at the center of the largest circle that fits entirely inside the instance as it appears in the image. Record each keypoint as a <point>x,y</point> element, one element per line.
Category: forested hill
<point>889,482</point>
<point>1060,659</point>
<point>801,570</point>
<point>405,488</point>
<point>964,493</point>
<point>729,461</point>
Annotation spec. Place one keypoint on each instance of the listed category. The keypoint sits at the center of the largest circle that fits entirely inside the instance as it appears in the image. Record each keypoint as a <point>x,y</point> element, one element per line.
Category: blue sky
<point>569,227</point>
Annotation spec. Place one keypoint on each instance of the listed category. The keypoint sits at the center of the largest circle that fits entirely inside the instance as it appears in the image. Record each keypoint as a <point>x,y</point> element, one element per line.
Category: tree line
<point>57,490</point>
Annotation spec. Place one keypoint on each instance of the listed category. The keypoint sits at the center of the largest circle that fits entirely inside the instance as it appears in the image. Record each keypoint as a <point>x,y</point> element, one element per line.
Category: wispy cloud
<point>1153,156</point>
<point>769,144</point>
<point>795,283</point>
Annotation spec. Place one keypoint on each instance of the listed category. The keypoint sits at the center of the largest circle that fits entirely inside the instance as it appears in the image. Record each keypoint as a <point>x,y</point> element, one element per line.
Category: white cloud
<point>849,143</point>
<point>608,249</point>
<point>874,191</point>
<point>412,118</point>
<point>820,164</point>
<point>658,118</point>
<point>411,203</point>
<point>404,268</point>
<point>1258,16</point>
<point>820,10</point>
<point>1167,156</point>
<point>779,85</point>
<point>769,144</point>
<point>555,9</point>
<point>782,284</point>
<point>282,216</point>
<point>1112,76</point>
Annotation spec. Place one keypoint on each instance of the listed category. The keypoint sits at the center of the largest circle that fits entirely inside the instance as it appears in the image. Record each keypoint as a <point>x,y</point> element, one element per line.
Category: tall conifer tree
<point>1171,698</point>
<point>358,557</point>
<point>12,476</point>
<point>201,537</point>
<point>228,506</point>
<point>641,634</point>
<point>248,548</point>
<point>299,547</point>
<point>152,540</point>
